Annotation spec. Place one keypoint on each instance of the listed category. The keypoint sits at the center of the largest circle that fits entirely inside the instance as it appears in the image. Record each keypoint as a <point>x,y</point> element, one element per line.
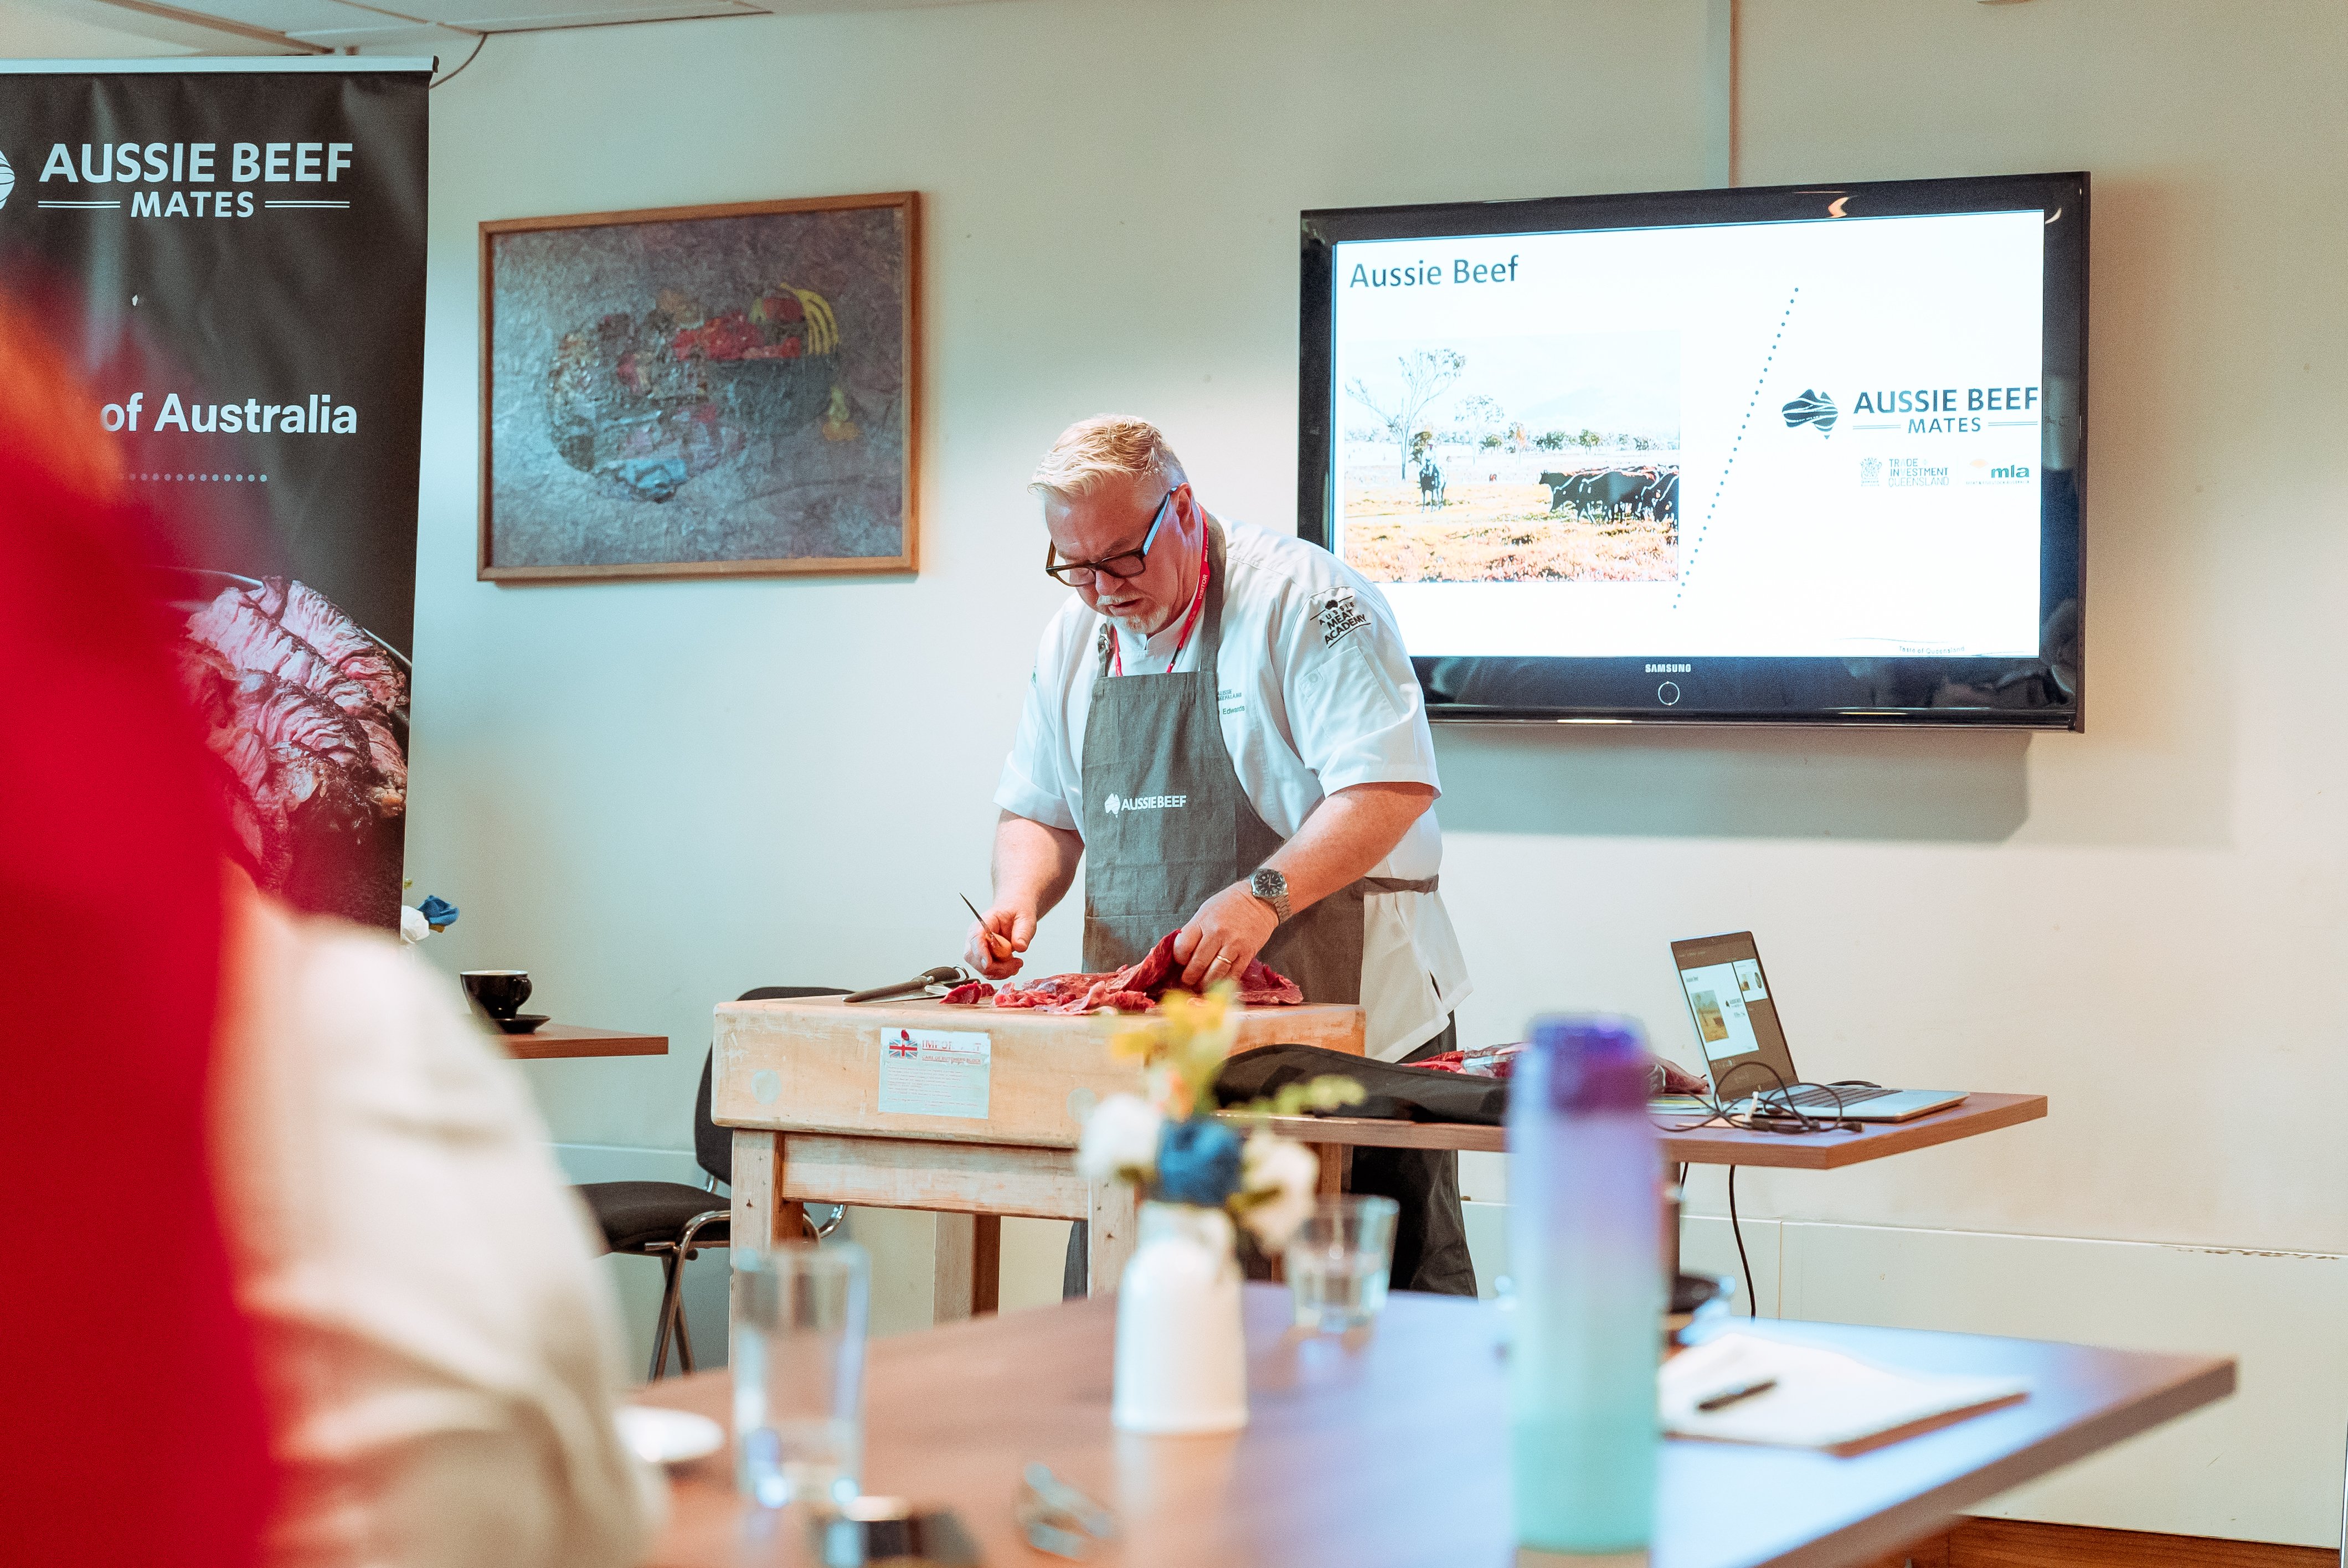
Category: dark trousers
<point>1430,1232</point>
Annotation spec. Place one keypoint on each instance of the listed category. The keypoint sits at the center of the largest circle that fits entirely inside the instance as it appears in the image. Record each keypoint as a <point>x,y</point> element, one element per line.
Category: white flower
<point>1121,1140</point>
<point>1280,1181</point>
<point>413,928</point>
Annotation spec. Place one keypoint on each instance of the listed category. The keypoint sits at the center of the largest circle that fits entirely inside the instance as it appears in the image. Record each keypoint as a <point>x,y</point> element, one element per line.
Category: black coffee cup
<point>499,992</point>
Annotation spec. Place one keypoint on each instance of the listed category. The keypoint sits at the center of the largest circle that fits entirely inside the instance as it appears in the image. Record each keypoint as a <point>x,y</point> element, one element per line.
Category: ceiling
<point>446,27</point>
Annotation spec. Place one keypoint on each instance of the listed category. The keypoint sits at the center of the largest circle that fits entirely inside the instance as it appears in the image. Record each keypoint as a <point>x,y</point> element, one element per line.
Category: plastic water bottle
<point>1585,1178</point>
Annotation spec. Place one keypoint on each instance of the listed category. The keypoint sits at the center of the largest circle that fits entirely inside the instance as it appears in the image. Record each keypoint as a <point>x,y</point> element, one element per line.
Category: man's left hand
<point>1223,938</point>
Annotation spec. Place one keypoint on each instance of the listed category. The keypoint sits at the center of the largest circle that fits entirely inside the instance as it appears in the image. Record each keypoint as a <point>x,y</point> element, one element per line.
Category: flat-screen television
<point>1797,454</point>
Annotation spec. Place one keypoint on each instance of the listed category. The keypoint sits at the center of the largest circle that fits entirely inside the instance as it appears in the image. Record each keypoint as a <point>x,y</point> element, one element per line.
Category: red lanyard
<point>1197,603</point>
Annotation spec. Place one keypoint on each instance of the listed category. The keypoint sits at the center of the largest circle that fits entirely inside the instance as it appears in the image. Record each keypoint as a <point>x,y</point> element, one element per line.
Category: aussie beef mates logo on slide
<point>1923,410</point>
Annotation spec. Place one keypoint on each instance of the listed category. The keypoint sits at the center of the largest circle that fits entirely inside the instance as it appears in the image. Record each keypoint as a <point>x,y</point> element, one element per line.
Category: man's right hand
<point>996,943</point>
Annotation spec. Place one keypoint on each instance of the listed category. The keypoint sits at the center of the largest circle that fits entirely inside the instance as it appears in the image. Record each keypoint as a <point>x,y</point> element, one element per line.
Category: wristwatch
<point>1272,887</point>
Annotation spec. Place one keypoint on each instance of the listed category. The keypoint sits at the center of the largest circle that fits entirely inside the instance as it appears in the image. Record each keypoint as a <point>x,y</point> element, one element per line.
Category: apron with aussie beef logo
<point>1167,826</point>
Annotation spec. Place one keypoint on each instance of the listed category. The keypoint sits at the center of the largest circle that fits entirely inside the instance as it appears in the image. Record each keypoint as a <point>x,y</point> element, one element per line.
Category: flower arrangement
<point>1168,1141</point>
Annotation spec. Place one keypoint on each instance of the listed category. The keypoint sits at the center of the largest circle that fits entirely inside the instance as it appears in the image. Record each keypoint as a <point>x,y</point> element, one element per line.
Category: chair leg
<point>673,1284</point>
<point>677,1324</point>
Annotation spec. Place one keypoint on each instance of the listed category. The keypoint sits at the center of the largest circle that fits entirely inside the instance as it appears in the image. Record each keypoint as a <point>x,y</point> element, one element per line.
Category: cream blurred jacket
<point>436,1345</point>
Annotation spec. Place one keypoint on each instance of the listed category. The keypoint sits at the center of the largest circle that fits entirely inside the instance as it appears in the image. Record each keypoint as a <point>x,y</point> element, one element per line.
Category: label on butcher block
<point>935,1071</point>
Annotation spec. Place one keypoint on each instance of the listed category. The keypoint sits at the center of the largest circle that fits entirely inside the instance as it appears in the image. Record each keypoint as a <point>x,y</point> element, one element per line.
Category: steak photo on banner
<point>233,251</point>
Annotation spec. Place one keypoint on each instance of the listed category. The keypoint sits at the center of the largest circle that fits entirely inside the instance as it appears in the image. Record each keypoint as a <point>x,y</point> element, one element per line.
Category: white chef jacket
<point>1317,695</point>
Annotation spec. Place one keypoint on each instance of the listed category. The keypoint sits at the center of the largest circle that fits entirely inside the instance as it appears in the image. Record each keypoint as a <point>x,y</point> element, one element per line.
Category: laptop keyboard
<point>1814,1099</point>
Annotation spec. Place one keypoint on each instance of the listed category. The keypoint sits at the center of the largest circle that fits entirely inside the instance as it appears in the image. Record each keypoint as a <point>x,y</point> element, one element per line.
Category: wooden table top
<point>1705,1145</point>
<point>551,1041</point>
<point>1390,1447</point>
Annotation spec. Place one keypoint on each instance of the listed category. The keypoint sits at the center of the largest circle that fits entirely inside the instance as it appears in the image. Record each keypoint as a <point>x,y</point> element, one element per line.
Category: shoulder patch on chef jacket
<point>1339,613</point>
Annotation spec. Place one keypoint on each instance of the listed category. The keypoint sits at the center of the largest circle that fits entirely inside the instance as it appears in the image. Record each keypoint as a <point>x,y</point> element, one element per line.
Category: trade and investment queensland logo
<point>1811,408</point>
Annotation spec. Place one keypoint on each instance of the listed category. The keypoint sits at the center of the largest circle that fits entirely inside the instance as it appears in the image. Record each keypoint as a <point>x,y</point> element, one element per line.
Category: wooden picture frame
<point>757,360</point>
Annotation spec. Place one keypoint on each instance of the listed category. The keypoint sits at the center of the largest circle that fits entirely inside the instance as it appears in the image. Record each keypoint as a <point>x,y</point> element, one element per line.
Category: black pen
<point>1728,1396</point>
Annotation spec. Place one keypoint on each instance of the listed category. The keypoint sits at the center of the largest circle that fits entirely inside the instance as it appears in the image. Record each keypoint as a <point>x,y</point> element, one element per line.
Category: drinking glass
<point>798,1318</point>
<point>1338,1260</point>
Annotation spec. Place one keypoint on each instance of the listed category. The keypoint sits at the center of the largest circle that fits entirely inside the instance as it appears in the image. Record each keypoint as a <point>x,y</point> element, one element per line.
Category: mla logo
<point>7,180</point>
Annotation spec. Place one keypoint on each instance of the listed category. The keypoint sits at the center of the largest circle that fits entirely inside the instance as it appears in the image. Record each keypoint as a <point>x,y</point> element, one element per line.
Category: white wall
<point>657,795</point>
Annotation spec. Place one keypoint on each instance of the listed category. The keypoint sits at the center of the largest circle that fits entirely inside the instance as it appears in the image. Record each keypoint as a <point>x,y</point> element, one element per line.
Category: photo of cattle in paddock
<point>1493,518</point>
<point>1532,459</point>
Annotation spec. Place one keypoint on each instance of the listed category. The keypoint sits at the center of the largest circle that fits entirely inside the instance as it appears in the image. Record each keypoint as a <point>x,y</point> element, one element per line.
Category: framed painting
<point>701,391</point>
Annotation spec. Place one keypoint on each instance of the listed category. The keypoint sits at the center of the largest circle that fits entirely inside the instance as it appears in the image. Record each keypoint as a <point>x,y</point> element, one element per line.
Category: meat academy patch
<point>1339,615</point>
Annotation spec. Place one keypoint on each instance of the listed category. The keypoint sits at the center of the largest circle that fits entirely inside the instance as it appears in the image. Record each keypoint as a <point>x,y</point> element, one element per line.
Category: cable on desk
<point>1768,1109</point>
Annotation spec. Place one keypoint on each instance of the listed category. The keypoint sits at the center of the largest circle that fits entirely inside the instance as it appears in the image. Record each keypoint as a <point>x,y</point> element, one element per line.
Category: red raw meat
<point>298,705</point>
<point>970,993</point>
<point>1261,986</point>
<point>289,629</point>
<point>1156,967</point>
<point>1136,987</point>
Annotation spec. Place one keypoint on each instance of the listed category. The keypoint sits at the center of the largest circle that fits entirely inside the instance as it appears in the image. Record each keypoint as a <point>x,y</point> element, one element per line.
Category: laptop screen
<point>1736,1022</point>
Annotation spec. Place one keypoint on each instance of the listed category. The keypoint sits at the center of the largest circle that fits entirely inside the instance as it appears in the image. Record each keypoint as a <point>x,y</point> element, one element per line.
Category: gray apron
<point>1167,826</point>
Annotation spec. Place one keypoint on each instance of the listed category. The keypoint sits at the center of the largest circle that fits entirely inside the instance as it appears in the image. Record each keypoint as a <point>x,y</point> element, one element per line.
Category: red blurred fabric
<point>133,1432</point>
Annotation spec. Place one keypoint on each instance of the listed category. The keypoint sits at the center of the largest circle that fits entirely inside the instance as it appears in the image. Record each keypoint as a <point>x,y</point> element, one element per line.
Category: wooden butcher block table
<point>970,1112</point>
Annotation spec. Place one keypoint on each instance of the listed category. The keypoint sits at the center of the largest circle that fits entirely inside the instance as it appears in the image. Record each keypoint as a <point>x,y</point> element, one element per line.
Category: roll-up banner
<point>234,252</point>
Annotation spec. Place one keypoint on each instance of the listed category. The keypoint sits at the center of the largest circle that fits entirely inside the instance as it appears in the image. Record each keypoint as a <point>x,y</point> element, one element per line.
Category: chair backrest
<point>713,1146</point>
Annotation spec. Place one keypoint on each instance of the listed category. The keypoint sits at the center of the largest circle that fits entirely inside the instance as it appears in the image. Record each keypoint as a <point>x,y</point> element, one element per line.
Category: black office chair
<point>672,1221</point>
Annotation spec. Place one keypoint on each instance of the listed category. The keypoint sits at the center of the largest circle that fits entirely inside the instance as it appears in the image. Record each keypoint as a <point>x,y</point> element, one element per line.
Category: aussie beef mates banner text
<point>234,252</point>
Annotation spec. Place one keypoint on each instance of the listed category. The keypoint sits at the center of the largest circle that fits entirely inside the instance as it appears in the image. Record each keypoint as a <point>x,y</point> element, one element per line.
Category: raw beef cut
<point>300,707</point>
<point>1136,987</point>
<point>970,993</point>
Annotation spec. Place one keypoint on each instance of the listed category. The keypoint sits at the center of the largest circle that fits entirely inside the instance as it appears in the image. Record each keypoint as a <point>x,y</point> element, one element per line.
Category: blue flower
<point>1198,1163</point>
<point>438,912</point>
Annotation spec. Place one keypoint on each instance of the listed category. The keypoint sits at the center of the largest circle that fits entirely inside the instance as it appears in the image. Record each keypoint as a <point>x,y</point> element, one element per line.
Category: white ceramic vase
<point>1182,1357</point>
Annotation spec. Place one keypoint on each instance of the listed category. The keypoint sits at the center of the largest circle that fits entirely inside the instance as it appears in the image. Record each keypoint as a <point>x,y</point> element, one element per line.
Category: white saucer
<point>658,1436</point>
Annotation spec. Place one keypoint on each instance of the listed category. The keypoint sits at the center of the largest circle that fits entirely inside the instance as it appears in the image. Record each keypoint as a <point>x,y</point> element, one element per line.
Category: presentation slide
<point>1799,439</point>
<point>1717,996</point>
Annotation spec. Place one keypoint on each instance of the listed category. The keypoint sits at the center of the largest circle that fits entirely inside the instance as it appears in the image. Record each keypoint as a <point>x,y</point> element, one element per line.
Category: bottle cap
<point>1589,1062</point>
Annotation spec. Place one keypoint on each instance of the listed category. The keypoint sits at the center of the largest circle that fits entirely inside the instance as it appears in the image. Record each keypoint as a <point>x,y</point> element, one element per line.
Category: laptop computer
<point>1745,1050</point>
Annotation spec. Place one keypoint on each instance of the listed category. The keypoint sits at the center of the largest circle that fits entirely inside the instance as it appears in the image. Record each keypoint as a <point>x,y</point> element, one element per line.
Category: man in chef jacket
<point>1223,725</point>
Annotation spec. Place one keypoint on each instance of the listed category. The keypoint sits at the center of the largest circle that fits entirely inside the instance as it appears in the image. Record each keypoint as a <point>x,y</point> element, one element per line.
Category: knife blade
<point>944,975</point>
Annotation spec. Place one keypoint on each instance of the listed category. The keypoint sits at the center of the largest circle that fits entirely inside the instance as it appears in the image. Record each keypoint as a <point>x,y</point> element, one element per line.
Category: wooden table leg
<point>950,1270</point>
<point>1112,1216</point>
<point>985,1264</point>
<point>1334,1159</point>
<point>967,1277</point>
<point>763,1221</point>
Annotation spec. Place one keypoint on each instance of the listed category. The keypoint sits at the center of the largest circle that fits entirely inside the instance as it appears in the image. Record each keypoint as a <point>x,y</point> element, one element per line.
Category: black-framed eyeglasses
<point>1124,564</point>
